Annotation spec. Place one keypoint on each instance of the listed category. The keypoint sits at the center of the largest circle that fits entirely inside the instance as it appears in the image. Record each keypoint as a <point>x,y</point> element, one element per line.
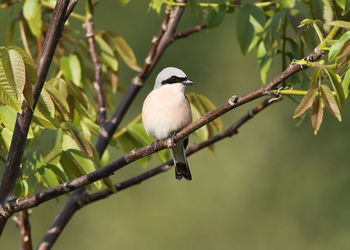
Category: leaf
<point>306,102</point>
<point>75,68</point>
<point>341,24</point>
<point>77,163</point>
<point>317,114</point>
<point>49,177</point>
<point>18,70</point>
<point>32,13</point>
<point>107,55</point>
<point>327,11</point>
<point>8,92</point>
<point>251,20</point>
<point>345,83</point>
<point>124,2</point>
<point>50,145</point>
<point>126,53</point>
<point>6,136</point>
<point>338,45</point>
<point>216,16</point>
<point>135,137</point>
<point>47,103</point>
<point>202,132</point>
<point>264,61</point>
<point>156,5</point>
<point>71,68</point>
<point>337,86</point>
<point>31,75</point>
<point>330,101</point>
<point>209,106</point>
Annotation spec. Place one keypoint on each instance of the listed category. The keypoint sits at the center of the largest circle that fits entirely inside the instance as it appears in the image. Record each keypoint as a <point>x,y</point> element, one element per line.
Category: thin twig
<point>12,167</point>
<point>25,231</point>
<point>90,35</point>
<point>190,31</point>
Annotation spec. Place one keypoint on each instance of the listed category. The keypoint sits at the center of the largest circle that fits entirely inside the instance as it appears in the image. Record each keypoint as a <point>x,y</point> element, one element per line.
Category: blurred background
<point>273,186</point>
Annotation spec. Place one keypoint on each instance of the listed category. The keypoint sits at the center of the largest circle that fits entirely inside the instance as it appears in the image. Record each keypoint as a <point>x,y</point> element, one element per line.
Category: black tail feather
<point>182,170</point>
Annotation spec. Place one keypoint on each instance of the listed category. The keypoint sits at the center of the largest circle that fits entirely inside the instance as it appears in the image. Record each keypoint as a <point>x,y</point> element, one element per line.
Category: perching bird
<point>166,110</point>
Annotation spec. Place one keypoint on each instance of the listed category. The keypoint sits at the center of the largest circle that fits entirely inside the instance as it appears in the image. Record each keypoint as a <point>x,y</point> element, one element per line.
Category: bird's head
<point>172,76</point>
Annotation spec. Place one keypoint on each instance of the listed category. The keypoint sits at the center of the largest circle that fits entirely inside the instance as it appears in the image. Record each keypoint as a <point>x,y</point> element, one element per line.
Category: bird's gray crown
<point>170,75</point>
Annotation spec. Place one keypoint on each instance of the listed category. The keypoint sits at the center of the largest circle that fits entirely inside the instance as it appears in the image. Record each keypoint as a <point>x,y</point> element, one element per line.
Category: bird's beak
<point>187,82</point>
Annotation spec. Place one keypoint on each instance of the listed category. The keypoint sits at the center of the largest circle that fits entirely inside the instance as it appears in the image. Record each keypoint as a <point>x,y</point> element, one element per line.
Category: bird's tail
<point>181,166</point>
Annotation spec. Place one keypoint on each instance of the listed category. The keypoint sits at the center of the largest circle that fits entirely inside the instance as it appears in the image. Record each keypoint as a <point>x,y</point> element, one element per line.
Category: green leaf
<point>306,102</point>
<point>338,45</point>
<point>47,103</point>
<point>50,145</point>
<point>156,5</point>
<point>341,3</point>
<point>251,20</point>
<point>107,55</point>
<point>6,136</point>
<point>264,61</point>
<point>216,16</point>
<point>345,83</point>
<point>18,70</point>
<point>8,119</point>
<point>135,137</point>
<point>71,68</point>
<point>341,24</point>
<point>32,13</point>
<point>203,132</point>
<point>126,53</point>
<point>317,114</point>
<point>77,163</point>
<point>8,92</point>
<point>330,101</point>
<point>30,74</point>
<point>287,3</point>
<point>327,11</point>
<point>49,177</point>
<point>337,86</point>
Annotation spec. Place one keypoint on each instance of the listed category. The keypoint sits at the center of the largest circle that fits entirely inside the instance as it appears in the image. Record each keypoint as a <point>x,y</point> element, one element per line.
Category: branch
<point>78,202</point>
<point>190,31</point>
<point>25,230</point>
<point>90,35</point>
<point>15,205</point>
<point>12,167</point>
<point>159,44</point>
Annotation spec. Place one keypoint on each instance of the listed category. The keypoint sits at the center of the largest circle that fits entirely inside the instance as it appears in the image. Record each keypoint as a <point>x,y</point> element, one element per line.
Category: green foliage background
<point>273,186</point>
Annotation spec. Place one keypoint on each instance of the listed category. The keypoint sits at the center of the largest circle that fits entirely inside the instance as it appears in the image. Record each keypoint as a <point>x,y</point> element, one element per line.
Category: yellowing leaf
<point>126,53</point>
<point>330,101</point>
<point>305,103</point>
<point>317,114</point>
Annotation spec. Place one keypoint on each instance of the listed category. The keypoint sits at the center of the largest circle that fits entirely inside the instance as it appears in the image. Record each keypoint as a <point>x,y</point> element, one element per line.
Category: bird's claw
<point>172,141</point>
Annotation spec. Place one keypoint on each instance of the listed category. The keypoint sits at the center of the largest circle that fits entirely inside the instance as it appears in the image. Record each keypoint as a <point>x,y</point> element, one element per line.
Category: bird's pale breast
<point>164,111</point>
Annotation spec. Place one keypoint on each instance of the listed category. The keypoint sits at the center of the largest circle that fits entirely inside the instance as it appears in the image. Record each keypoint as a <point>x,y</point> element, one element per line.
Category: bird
<point>166,110</point>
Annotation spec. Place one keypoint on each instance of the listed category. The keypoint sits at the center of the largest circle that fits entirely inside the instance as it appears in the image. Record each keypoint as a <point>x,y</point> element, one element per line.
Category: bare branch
<point>77,202</point>
<point>12,167</point>
<point>90,35</point>
<point>234,102</point>
<point>190,31</point>
<point>25,231</point>
<point>61,220</point>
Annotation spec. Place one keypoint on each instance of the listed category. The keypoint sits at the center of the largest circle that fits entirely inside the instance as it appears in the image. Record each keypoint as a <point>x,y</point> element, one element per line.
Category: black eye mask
<point>174,79</point>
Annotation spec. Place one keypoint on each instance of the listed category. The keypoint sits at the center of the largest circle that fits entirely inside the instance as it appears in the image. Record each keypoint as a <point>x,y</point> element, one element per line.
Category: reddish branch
<point>12,166</point>
<point>90,35</point>
<point>24,230</point>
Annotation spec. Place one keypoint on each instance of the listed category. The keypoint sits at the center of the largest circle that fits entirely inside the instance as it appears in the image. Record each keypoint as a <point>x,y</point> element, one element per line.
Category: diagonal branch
<point>190,31</point>
<point>97,84</point>
<point>234,102</point>
<point>85,199</point>
<point>12,167</point>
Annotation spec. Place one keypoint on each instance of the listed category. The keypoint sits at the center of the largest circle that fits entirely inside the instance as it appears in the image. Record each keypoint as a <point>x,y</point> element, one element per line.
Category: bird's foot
<point>154,145</point>
<point>171,141</point>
